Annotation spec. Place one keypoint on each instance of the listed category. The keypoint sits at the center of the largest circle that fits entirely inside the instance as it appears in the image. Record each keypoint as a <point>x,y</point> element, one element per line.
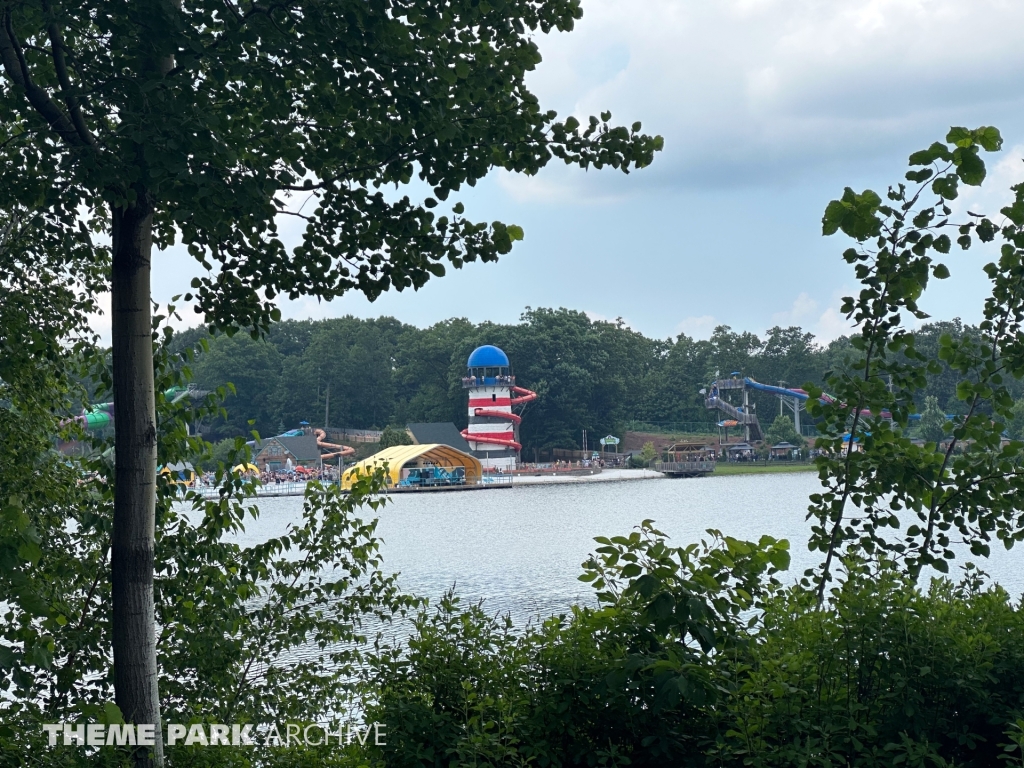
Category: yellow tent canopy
<point>398,457</point>
<point>245,468</point>
<point>181,473</point>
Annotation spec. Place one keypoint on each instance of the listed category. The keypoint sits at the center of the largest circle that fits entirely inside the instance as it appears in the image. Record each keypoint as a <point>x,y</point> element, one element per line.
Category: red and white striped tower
<point>493,432</point>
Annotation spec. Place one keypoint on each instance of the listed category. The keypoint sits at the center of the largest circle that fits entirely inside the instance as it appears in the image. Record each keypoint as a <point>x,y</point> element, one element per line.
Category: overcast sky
<point>768,108</point>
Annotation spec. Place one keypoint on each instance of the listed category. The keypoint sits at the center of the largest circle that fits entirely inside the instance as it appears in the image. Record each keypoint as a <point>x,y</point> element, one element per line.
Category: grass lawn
<point>759,467</point>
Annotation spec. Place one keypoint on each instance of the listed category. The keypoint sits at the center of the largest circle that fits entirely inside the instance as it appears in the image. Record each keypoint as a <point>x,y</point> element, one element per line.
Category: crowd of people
<point>327,474</point>
<point>474,381</point>
<point>566,465</point>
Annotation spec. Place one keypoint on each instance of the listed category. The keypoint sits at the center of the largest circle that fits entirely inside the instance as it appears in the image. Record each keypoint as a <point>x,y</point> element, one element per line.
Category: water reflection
<point>520,549</point>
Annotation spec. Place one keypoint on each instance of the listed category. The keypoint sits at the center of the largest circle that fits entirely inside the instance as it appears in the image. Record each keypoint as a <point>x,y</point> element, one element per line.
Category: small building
<point>419,466</point>
<point>440,433</point>
<point>783,450</point>
<point>287,452</point>
<point>740,452</point>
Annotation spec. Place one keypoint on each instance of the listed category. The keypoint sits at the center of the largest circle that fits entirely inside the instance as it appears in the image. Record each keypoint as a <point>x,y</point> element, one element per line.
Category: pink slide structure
<point>323,445</point>
<point>525,396</point>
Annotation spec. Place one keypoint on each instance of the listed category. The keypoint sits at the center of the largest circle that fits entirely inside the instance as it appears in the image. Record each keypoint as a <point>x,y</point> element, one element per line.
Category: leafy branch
<point>869,460</point>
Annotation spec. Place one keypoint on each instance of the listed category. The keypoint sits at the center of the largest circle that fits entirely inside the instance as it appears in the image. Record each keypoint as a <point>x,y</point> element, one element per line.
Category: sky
<point>768,108</point>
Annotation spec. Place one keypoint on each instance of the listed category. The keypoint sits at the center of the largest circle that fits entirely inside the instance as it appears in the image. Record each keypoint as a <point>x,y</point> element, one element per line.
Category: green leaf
<point>937,151</point>
<point>969,166</point>
<point>30,551</point>
<point>989,138</point>
<point>946,187</point>
<point>834,213</point>
<point>961,137</point>
<point>940,271</point>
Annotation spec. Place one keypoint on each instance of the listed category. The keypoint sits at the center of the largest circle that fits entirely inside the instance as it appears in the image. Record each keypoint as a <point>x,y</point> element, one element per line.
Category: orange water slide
<point>491,437</point>
<point>526,396</point>
<point>337,450</point>
<point>499,414</point>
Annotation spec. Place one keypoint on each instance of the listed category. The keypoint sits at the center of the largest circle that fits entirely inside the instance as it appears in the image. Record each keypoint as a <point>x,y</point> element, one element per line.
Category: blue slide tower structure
<point>793,399</point>
<point>493,431</point>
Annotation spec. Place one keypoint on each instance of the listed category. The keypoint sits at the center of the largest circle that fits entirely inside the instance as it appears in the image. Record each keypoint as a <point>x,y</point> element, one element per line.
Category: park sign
<point>610,440</point>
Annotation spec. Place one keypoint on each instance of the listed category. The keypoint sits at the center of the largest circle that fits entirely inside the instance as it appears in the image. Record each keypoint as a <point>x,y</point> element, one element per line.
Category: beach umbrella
<point>245,468</point>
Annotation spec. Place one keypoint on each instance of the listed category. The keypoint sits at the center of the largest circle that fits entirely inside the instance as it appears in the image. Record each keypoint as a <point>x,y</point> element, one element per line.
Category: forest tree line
<point>589,374</point>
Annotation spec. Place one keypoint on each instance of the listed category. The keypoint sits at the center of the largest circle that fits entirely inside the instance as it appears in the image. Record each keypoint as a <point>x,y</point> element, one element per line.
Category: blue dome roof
<point>487,356</point>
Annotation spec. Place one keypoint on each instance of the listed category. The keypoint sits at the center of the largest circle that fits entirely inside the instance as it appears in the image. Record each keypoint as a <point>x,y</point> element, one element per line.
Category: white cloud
<point>697,327</point>
<point>557,187</point>
<point>748,90</point>
<point>826,325</point>
<point>751,96</point>
<point>1004,170</point>
<point>803,307</point>
<point>830,325</point>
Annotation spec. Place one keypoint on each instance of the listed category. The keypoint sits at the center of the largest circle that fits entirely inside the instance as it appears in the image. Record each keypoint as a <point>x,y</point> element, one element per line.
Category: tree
<point>429,372</point>
<point>648,453</point>
<point>222,454</point>
<point>933,421</point>
<point>392,436</point>
<point>971,494</point>
<point>782,431</point>
<point>155,123</point>
<point>52,533</point>
<point>253,369</point>
<point>1015,428</point>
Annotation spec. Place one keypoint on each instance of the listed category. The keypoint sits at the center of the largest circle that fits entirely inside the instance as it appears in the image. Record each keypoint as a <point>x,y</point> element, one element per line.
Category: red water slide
<point>499,414</point>
<point>323,445</point>
<point>527,396</point>
<point>491,438</point>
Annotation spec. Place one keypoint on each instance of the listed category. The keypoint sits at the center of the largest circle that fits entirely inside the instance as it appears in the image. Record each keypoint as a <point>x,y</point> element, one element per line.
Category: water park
<point>744,415</point>
<point>487,453</point>
<point>484,454</point>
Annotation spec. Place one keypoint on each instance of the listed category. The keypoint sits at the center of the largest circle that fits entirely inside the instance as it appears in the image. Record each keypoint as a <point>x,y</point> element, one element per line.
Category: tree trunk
<point>134,631</point>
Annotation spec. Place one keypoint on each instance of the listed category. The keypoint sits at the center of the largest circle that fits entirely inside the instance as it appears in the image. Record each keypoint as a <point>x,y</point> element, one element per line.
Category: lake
<point>520,549</point>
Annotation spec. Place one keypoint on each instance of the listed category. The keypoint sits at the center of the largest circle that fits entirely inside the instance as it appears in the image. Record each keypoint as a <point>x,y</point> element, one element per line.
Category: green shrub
<point>698,657</point>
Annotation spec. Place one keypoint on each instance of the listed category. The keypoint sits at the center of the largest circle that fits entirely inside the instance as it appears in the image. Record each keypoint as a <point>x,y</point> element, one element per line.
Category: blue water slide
<point>799,394</point>
<point>781,391</point>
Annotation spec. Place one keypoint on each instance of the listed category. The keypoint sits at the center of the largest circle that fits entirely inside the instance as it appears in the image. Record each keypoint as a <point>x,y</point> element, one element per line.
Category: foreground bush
<point>663,672</point>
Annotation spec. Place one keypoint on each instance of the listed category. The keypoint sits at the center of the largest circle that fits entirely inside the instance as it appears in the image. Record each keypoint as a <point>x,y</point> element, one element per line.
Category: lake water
<point>520,549</point>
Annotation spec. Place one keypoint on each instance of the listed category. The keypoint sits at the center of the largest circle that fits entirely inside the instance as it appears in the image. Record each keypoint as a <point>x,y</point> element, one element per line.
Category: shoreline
<point>577,477</point>
<point>760,468</point>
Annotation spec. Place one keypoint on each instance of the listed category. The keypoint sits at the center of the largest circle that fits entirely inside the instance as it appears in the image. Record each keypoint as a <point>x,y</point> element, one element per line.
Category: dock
<point>685,468</point>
